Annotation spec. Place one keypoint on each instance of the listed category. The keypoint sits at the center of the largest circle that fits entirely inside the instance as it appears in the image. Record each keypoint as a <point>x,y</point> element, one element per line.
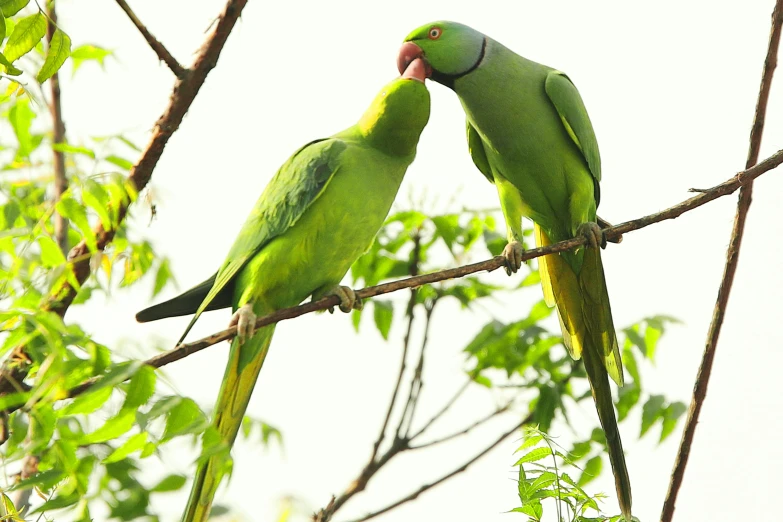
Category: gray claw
<point>593,233</point>
<point>513,254</point>
<point>348,299</point>
<point>245,321</point>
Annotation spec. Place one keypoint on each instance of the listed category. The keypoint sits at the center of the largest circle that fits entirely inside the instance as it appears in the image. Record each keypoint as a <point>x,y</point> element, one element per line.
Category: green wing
<point>477,152</point>
<point>568,103</point>
<point>298,183</point>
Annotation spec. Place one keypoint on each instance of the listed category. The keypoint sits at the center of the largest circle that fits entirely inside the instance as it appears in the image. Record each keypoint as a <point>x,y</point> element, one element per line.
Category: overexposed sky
<point>670,87</point>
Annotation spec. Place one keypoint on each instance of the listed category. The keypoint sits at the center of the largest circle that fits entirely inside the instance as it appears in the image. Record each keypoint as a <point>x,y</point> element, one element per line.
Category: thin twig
<point>413,270</point>
<point>58,136</point>
<point>449,475</point>
<point>163,54</point>
<point>404,428</point>
<point>443,410</point>
<point>182,96</point>
<point>184,350</point>
<point>732,259</point>
<point>466,429</point>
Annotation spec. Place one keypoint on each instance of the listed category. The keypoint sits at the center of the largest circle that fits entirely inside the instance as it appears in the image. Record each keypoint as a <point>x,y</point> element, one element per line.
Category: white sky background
<point>671,91</point>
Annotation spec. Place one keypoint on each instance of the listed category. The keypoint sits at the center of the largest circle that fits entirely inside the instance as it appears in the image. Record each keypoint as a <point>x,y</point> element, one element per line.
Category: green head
<point>398,114</point>
<point>451,50</point>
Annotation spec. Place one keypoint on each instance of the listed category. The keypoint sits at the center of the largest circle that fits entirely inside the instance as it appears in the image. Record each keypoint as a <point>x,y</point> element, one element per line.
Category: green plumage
<point>529,133</point>
<point>319,213</point>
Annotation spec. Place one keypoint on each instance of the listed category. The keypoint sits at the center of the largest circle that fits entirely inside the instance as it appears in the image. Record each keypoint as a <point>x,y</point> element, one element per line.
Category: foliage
<point>88,449</point>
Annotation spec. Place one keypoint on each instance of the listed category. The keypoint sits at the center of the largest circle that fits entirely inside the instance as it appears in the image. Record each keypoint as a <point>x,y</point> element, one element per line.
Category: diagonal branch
<point>58,136</point>
<point>444,478</point>
<point>163,54</point>
<point>489,265</point>
<point>14,369</point>
<point>184,350</point>
<point>467,429</point>
<point>732,259</point>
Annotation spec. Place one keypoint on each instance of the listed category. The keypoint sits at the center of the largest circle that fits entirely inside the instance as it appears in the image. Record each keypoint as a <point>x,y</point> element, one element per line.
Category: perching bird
<point>319,213</point>
<point>530,135</point>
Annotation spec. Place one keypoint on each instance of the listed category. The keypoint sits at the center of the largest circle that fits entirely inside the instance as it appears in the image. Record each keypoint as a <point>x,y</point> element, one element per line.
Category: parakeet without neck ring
<point>319,213</point>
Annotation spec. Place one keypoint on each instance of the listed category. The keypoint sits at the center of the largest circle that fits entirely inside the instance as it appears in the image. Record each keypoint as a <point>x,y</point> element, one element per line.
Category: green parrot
<point>319,213</point>
<point>529,134</point>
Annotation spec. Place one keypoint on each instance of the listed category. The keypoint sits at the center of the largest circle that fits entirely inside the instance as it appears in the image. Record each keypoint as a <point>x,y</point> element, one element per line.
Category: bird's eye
<point>435,33</point>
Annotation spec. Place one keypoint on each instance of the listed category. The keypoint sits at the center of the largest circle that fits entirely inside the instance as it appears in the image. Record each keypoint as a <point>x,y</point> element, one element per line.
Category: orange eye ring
<point>434,33</point>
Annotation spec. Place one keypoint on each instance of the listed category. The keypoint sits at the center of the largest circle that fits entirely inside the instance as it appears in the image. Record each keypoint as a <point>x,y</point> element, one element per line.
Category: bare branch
<point>417,383</point>
<point>58,136</point>
<point>163,54</point>
<point>449,475</point>
<point>443,410</point>
<point>465,430</point>
<point>732,259</point>
<point>185,90</point>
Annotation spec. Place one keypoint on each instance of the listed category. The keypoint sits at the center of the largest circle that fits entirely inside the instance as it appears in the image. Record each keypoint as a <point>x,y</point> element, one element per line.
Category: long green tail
<point>588,331</point>
<point>244,365</point>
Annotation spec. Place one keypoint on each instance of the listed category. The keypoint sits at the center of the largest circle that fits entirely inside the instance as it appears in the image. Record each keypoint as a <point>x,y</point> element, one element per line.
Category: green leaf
<point>96,197</point>
<point>120,162</point>
<point>162,276</point>
<point>670,416</point>
<point>534,455</point>
<point>628,397</point>
<point>183,419</point>
<point>85,53</point>
<point>21,118</point>
<point>134,443</point>
<point>651,411</point>
<point>591,470</point>
<point>73,149</point>
<point>383,312</point>
<point>87,402</point>
<point>170,483</point>
<point>9,67</point>
<point>141,387</point>
<point>44,480</point>
<point>69,208</point>
<point>51,255</point>
<point>11,7</point>
<point>113,428</point>
<point>27,33</point>
<point>59,51</point>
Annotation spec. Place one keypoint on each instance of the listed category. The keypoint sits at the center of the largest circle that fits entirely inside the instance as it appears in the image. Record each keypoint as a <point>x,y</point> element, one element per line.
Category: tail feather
<point>188,302</point>
<point>585,317</point>
<point>244,365</point>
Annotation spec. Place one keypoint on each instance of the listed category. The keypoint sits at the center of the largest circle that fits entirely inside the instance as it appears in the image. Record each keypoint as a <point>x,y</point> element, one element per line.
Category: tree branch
<point>417,383</point>
<point>58,136</point>
<point>466,429</point>
<point>732,259</point>
<point>725,188</point>
<point>443,410</point>
<point>449,475</point>
<point>184,350</point>
<point>163,54</point>
<point>184,92</point>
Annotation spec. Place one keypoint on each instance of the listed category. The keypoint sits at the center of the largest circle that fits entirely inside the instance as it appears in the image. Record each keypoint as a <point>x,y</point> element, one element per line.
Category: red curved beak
<point>408,54</point>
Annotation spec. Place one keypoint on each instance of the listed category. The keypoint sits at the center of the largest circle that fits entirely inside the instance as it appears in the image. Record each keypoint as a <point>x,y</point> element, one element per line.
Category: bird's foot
<point>605,224</point>
<point>513,254</point>
<point>245,321</point>
<point>593,233</point>
<point>348,299</point>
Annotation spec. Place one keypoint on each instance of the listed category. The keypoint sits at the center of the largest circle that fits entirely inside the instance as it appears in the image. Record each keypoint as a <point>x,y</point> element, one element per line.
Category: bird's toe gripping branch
<point>513,254</point>
<point>245,321</point>
<point>348,299</point>
<point>593,233</point>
